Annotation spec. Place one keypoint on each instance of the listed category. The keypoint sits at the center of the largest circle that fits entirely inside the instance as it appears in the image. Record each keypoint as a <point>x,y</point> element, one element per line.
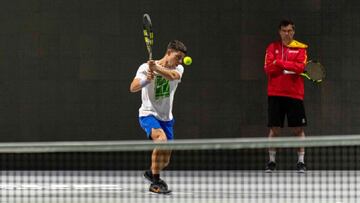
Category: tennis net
<point>211,170</point>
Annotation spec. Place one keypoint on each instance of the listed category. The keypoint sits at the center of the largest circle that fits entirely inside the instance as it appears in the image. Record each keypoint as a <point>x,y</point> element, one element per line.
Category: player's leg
<point>274,132</point>
<point>297,121</point>
<point>300,165</point>
<point>159,158</point>
<point>276,116</point>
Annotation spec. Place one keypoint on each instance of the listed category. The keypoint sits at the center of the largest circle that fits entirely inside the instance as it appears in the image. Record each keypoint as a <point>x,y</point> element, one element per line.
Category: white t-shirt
<point>158,96</point>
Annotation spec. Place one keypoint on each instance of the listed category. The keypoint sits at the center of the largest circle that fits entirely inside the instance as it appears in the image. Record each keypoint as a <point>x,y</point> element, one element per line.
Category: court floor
<point>187,186</point>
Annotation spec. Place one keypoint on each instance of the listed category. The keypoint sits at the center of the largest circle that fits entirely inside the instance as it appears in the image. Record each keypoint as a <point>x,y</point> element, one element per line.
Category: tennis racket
<point>148,34</point>
<point>314,72</point>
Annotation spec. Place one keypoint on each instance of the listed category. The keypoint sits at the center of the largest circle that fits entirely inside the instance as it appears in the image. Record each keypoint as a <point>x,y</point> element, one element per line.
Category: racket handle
<point>305,75</point>
<point>288,72</point>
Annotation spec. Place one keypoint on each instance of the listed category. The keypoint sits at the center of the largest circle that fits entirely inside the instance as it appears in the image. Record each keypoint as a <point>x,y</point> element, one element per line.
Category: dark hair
<point>285,23</point>
<point>177,45</point>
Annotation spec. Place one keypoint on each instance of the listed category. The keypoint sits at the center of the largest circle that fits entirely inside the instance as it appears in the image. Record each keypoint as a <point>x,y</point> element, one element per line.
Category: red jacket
<point>278,58</point>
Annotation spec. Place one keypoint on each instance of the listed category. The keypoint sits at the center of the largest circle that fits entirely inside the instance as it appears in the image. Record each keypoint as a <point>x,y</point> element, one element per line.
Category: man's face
<point>286,34</point>
<point>175,58</point>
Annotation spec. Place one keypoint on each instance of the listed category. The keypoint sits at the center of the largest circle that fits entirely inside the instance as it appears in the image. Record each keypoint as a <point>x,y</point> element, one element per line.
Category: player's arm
<point>135,85</point>
<point>138,83</point>
<point>270,67</point>
<point>166,73</point>
<point>298,65</point>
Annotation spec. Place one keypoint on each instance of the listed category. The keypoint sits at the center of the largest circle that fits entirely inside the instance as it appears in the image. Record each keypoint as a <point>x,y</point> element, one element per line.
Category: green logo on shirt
<point>162,87</point>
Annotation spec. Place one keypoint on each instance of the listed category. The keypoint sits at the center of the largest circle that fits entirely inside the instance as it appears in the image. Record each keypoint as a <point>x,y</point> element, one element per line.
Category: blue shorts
<point>149,122</point>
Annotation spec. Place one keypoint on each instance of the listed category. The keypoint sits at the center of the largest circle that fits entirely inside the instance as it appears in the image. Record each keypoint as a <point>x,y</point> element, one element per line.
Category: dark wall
<point>66,66</point>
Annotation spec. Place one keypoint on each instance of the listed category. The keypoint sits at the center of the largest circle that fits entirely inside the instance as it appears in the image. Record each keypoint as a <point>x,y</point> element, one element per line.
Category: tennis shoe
<point>159,188</point>
<point>301,167</point>
<point>149,176</point>
<point>270,167</point>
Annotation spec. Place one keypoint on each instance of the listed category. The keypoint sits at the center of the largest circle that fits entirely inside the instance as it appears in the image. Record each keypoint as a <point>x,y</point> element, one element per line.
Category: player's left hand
<point>150,75</point>
<point>152,65</point>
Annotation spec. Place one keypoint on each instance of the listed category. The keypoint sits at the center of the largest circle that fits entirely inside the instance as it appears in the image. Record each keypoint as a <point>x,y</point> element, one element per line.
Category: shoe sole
<point>301,171</point>
<point>269,171</point>
<point>161,193</point>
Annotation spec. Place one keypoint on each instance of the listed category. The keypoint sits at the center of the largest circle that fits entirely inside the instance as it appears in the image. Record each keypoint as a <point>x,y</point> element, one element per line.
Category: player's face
<point>286,34</point>
<point>175,58</point>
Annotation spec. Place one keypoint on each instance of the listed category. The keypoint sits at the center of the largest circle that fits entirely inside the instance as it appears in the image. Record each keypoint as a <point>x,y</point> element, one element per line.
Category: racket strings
<point>315,71</point>
<point>148,34</point>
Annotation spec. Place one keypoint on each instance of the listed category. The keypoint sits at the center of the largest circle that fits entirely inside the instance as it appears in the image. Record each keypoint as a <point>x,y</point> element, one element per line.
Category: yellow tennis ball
<point>187,60</point>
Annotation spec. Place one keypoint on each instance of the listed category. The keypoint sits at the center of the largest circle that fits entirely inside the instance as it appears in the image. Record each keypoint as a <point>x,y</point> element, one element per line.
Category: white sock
<point>301,157</point>
<point>272,155</point>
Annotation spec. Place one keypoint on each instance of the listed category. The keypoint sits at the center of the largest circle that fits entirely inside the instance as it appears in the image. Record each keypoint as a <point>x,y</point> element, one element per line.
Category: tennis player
<point>158,81</point>
<point>286,91</point>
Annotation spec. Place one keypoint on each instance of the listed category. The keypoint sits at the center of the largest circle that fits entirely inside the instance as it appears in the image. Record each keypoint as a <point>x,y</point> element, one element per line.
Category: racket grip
<point>305,75</point>
<point>288,72</point>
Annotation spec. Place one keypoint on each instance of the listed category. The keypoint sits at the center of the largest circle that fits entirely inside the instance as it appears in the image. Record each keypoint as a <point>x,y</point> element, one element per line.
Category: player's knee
<point>158,135</point>
<point>274,132</point>
<point>298,131</point>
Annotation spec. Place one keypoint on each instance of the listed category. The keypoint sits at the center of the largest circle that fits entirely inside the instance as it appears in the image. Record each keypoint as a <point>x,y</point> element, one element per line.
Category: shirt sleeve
<point>142,71</point>
<point>180,70</point>
<point>269,67</point>
<point>298,65</point>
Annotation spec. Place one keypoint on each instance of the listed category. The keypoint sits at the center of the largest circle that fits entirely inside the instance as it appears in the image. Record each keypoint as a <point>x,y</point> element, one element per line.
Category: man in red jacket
<point>284,61</point>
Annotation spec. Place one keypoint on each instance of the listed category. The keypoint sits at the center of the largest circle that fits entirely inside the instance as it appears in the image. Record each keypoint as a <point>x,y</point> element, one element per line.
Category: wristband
<point>143,83</point>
